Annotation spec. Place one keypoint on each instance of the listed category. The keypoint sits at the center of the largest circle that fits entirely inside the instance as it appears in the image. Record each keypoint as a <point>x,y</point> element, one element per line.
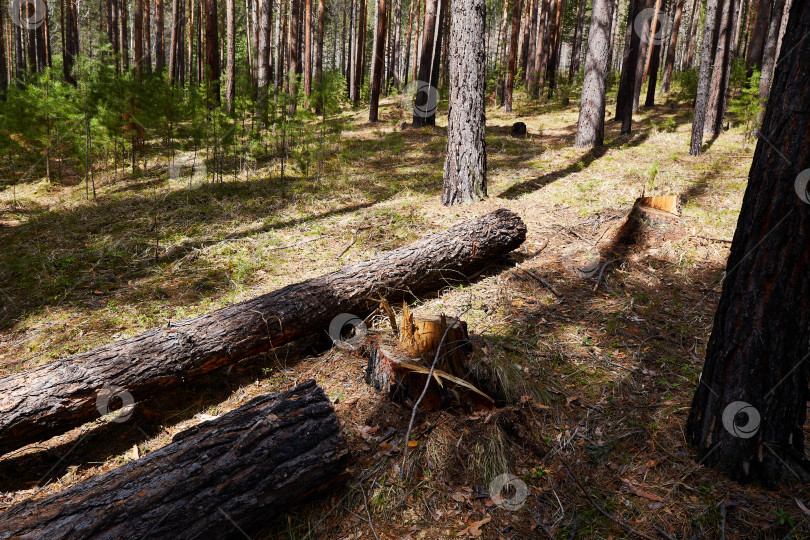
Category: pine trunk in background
<point>230,41</point>
<point>359,59</point>
<point>770,52</point>
<point>554,52</point>
<point>465,165</point>
<point>147,37</point>
<point>263,56</point>
<point>19,50</point>
<point>137,38</point>
<point>513,58</point>
<point>691,35</point>
<point>425,61</point>
<point>280,44</point>
<point>377,63</point>
<point>123,19</point>
<point>643,55</point>
<point>319,108</point>
<point>627,83</point>
<point>212,67</point>
<point>502,52</point>
<point>3,63</point>
<point>704,79</point>
<point>591,123</point>
<point>160,45</point>
<point>406,68</point>
<point>759,34</point>
<point>673,46</point>
<point>174,41</point>
<point>71,50</point>
<point>535,86</point>
<point>576,49</point>
<point>749,409</point>
<point>307,47</point>
<point>396,61</point>
<point>439,45</point>
<point>523,48</point>
<point>531,72</point>
<point>655,58</point>
<point>721,66</point>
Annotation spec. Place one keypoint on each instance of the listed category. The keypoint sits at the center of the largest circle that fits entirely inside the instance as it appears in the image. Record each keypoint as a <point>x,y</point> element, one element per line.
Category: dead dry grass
<point>615,367</point>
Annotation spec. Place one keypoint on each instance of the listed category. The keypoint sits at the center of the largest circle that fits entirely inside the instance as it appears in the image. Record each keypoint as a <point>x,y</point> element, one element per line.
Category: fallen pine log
<point>214,480</point>
<point>53,398</point>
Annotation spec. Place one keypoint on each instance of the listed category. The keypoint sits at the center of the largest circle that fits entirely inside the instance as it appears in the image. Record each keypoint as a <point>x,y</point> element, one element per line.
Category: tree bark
<point>426,60</point>
<point>704,79</point>
<point>465,165</point>
<point>407,67</point>
<point>62,395</point>
<point>212,67</point>
<point>655,58</point>
<point>3,71</point>
<point>175,47</point>
<point>756,360</point>
<point>243,467</point>
<point>713,123</point>
<point>591,123</point>
<point>536,85</point>
<point>160,45</point>
<point>513,45</point>
<point>230,68</point>
<point>377,61</point>
<point>307,47</point>
<point>263,56</point>
<point>673,46</point>
<point>771,51</point>
<point>759,35</point>
<point>641,64</point>
<point>123,19</point>
<point>137,38</point>
<point>71,49</point>
<point>147,38</point>
<point>576,49</point>
<point>554,52</point>
<point>531,72</point>
<point>627,83</point>
<point>691,35</point>
<point>319,57</point>
<point>359,59</point>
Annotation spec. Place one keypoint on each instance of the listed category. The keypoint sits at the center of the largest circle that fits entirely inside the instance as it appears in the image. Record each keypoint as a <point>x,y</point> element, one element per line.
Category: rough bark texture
<point>160,46</point>
<point>691,35</point>
<point>263,78</point>
<point>465,165</point>
<point>377,61</point>
<point>576,48</point>
<point>531,74</point>
<point>243,467</point>
<point>624,100</point>
<point>61,395</point>
<point>426,59</point>
<point>704,78</point>
<point>230,47</point>
<point>591,124</point>
<point>759,34</point>
<point>673,47</point>
<point>722,66</point>
<point>643,54</point>
<point>757,353</point>
<point>769,55</point>
<point>554,51</point>
<point>513,45</point>
<point>655,59</point>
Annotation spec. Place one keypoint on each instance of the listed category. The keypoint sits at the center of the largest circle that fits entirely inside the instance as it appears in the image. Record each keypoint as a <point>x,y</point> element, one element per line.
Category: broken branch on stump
<point>241,468</point>
<point>51,399</point>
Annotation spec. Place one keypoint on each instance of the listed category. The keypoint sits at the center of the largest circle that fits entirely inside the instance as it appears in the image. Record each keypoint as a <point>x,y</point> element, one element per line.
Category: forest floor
<point>600,378</point>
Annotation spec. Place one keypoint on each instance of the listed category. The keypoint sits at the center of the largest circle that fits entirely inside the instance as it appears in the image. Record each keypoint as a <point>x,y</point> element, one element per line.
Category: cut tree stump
<point>652,221</point>
<point>51,399</point>
<point>238,470</point>
<point>400,369</point>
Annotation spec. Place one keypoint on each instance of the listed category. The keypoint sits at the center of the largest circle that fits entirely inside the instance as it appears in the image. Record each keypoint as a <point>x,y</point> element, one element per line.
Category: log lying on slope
<point>61,395</point>
<point>243,467</point>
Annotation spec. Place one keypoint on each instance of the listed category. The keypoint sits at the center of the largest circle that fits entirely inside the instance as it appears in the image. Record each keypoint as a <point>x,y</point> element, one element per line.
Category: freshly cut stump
<point>51,399</point>
<point>651,222</point>
<point>244,467</point>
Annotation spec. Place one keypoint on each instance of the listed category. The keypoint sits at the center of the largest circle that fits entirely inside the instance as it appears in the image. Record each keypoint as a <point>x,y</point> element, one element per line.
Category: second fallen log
<point>53,398</point>
<point>217,479</point>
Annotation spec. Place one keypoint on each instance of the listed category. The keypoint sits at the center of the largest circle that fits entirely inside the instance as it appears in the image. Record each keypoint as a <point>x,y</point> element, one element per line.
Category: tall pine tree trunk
<point>263,55</point>
<point>749,409</point>
<point>512,65</point>
<point>576,49</point>
<point>655,59</point>
<point>531,73</point>
<point>691,35</point>
<point>123,19</point>
<point>377,61</point>
<point>770,52</point>
<point>160,45</point>
<point>230,39</point>
<point>722,66</point>
<point>704,79</point>
<point>591,123</point>
<point>554,52</point>
<point>673,46</point>
<point>137,38</point>
<point>406,71</point>
<point>627,83</point>
<point>3,71</point>
<point>643,55</point>
<point>319,109</point>
<point>212,66</point>
<point>359,58</point>
<point>71,50</point>
<point>759,34</point>
<point>426,61</point>
<point>465,166</point>
<point>307,47</point>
